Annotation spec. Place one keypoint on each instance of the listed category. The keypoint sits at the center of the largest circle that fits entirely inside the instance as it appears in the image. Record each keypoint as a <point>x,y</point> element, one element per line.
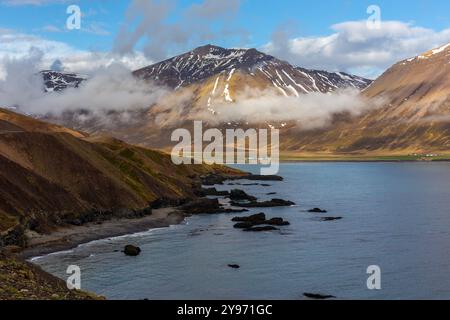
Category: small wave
<point>50,255</point>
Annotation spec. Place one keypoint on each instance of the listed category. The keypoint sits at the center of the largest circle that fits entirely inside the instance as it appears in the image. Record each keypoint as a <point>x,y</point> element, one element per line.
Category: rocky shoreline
<point>70,237</point>
<point>162,213</point>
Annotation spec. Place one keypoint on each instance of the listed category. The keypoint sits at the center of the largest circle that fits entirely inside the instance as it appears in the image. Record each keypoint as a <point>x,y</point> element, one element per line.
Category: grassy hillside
<point>20,280</point>
<point>50,176</point>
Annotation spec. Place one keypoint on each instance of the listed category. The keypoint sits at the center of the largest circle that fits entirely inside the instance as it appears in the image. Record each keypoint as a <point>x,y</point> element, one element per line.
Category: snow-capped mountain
<point>58,81</point>
<point>203,82</point>
<point>211,61</point>
<point>412,113</point>
<point>204,62</point>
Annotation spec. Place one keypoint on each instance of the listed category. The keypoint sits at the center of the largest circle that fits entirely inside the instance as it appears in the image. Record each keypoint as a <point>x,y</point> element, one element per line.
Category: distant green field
<point>362,158</point>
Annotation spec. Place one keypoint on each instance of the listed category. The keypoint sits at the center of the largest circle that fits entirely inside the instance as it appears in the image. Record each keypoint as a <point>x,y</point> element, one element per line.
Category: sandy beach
<point>70,237</point>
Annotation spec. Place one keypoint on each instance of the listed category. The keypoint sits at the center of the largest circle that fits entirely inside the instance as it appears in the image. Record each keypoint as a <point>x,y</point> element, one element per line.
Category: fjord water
<point>395,215</point>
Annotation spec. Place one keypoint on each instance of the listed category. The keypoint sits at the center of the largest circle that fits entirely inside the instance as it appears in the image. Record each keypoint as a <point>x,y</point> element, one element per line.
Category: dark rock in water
<point>277,222</point>
<point>207,206</point>
<point>216,179</point>
<point>265,185</point>
<point>261,229</point>
<point>265,204</point>
<point>271,193</point>
<point>215,192</point>
<point>234,210</point>
<point>234,266</point>
<point>212,179</point>
<point>243,225</point>
<point>317,210</point>
<point>238,195</point>
<point>318,296</point>
<point>331,218</point>
<point>253,218</point>
<point>255,177</point>
<point>258,220</point>
<point>132,251</point>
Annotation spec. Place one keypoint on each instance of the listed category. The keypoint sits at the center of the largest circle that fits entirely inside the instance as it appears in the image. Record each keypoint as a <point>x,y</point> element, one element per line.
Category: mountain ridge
<point>413,117</point>
<point>178,71</point>
<point>209,60</point>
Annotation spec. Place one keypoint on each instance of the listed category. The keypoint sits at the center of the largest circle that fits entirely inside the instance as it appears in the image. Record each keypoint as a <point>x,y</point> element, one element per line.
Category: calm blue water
<point>396,216</point>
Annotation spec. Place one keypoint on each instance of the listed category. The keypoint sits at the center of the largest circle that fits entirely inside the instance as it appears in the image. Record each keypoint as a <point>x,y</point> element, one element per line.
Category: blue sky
<point>415,25</point>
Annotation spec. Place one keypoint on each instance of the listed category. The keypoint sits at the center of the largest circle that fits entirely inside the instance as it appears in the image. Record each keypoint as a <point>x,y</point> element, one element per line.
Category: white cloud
<point>18,45</point>
<point>112,88</point>
<point>157,27</point>
<point>354,48</point>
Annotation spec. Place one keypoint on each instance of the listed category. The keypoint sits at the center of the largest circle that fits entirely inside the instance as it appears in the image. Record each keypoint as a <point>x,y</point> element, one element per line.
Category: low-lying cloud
<point>112,88</point>
<point>112,95</point>
<point>309,111</point>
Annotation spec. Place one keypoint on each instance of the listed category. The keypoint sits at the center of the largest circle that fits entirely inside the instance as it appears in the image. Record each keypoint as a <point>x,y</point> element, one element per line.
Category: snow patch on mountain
<point>58,81</point>
<point>205,62</point>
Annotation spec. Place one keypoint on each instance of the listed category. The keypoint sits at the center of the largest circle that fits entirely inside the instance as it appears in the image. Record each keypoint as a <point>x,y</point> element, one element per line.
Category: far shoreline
<point>363,159</point>
<point>359,161</point>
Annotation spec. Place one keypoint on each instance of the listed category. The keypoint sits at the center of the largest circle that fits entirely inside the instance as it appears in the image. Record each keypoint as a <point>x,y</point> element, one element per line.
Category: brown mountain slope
<point>50,178</point>
<point>414,116</point>
<point>11,122</point>
<point>417,89</point>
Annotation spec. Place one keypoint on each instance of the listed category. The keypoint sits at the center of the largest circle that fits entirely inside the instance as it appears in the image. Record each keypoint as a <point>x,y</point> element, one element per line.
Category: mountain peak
<point>209,61</point>
<point>207,49</point>
<point>59,80</point>
<point>438,52</point>
<point>445,49</point>
<point>202,63</point>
